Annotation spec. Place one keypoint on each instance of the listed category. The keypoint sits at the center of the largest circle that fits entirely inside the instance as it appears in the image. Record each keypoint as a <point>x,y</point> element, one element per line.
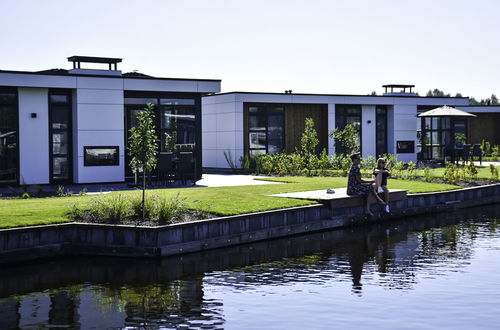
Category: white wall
<point>222,131</point>
<point>368,131</point>
<point>34,150</point>
<point>98,121</point>
<point>405,128</point>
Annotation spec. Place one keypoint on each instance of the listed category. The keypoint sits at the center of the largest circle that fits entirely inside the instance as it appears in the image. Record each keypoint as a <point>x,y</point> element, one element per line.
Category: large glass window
<point>8,137</point>
<point>434,137</point>
<point>346,114</point>
<point>176,120</point>
<point>60,135</point>
<point>265,129</point>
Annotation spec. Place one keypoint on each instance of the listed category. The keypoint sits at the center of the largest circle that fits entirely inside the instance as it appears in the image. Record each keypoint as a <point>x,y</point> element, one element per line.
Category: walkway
<point>208,180</point>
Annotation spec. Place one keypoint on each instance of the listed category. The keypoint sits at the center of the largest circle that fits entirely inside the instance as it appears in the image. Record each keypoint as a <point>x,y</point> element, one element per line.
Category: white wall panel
<point>100,96</point>
<point>222,98</point>
<point>209,140</point>
<point>100,117</point>
<point>331,127</point>
<point>34,136</point>
<point>160,85</point>
<point>368,130</point>
<point>100,138</point>
<point>226,122</point>
<point>99,83</point>
<point>88,174</point>
<point>209,157</point>
<point>36,80</point>
<point>278,98</point>
<point>226,140</point>
<point>209,123</point>
<point>205,86</point>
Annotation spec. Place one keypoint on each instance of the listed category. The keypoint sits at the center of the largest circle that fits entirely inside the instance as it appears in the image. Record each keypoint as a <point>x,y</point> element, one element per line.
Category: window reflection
<point>265,129</point>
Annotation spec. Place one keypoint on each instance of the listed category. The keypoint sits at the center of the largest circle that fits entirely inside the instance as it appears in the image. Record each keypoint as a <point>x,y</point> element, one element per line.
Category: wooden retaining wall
<point>29,243</point>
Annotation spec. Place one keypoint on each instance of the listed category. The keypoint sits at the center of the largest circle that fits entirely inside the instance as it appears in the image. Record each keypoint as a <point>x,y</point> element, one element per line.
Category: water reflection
<point>118,292</point>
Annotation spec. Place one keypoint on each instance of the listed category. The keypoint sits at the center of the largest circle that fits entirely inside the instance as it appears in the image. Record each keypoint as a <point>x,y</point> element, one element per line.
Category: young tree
<point>143,147</point>
<point>345,140</point>
<point>309,140</point>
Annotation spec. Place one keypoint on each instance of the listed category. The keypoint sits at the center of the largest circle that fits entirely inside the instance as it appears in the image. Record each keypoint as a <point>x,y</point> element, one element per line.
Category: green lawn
<point>218,200</point>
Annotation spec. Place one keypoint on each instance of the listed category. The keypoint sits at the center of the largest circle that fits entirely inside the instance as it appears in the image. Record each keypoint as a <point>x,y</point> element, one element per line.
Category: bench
<point>340,198</point>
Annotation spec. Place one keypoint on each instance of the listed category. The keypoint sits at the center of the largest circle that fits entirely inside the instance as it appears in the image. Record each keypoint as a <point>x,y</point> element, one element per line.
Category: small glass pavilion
<point>443,133</point>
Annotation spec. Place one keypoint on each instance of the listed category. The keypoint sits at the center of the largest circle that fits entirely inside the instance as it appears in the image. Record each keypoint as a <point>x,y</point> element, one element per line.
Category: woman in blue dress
<point>356,186</point>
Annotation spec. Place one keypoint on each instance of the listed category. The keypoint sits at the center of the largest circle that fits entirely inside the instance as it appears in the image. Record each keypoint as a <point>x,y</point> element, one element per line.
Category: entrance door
<point>60,137</point>
<point>9,159</point>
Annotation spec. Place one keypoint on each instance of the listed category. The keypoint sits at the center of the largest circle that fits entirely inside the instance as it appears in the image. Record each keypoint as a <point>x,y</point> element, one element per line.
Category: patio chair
<point>185,168</point>
<point>165,168</point>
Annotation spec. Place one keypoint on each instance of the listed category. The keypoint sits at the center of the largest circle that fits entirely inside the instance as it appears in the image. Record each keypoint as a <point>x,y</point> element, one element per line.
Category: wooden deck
<point>340,198</point>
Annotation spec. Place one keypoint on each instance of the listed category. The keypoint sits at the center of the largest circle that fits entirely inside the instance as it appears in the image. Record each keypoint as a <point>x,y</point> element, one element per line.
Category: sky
<point>313,46</point>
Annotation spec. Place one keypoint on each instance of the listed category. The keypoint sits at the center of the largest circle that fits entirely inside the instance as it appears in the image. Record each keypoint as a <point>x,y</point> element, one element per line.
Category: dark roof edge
<point>477,106</point>
<point>103,76</point>
<point>309,94</point>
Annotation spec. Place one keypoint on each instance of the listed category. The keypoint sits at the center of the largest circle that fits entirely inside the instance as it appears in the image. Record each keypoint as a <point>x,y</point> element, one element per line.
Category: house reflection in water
<point>114,292</point>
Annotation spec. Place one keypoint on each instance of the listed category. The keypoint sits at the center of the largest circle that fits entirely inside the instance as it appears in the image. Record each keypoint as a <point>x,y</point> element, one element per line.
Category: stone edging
<point>28,243</point>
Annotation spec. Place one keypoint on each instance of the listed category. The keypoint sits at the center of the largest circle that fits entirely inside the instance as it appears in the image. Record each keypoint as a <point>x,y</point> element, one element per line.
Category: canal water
<point>433,272</point>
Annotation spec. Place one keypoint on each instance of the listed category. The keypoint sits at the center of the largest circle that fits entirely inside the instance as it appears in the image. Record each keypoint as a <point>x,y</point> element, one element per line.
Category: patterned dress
<point>353,186</point>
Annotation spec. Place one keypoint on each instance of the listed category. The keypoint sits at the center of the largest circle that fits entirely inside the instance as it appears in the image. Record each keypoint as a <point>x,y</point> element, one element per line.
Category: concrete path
<point>224,180</point>
<point>208,180</point>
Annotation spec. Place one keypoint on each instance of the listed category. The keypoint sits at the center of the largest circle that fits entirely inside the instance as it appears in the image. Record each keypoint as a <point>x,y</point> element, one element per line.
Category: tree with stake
<point>143,147</point>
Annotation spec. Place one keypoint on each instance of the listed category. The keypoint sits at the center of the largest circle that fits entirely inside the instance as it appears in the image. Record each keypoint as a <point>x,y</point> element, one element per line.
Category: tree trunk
<point>143,194</point>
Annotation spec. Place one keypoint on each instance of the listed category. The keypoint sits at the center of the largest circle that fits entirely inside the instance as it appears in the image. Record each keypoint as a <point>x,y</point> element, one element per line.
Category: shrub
<point>149,206</point>
<point>472,171</point>
<point>368,163</point>
<point>390,160</point>
<point>346,140</point>
<point>169,210</point>
<point>410,171</point>
<point>324,161</point>
<point>428,176</point>
<point>397,169</point>
<point>451,173</point>
<point>114,207</point>
<point>309,139</point>
<point>494,172</point>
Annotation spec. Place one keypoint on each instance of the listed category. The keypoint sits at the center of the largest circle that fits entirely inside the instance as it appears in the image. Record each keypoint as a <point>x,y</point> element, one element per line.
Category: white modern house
<point>240,123</point>
<point>72,125</point>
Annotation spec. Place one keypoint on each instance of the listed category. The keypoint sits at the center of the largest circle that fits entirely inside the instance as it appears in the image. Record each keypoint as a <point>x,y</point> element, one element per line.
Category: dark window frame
<point>14,90</point>
<point>116,160</point>
<point>266,113</point>
<point>68,130</point>
<point>163,95</point>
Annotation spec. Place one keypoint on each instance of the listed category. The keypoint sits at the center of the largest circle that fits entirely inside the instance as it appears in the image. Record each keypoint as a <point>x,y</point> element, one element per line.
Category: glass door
<point>9,160</point>
<point>60,136</point>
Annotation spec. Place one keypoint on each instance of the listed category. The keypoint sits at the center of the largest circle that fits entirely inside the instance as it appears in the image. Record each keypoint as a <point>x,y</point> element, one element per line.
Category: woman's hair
<point>380,160</point>
<point>354,156</point>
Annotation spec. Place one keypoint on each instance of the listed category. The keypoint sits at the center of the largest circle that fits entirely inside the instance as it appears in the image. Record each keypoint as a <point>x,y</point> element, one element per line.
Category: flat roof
<point>311,94</point>
<point>63,72</point>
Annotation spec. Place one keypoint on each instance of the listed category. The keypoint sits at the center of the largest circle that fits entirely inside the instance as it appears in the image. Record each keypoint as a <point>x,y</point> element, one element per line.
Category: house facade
<point>72,125</point>
<point>241,123</point>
